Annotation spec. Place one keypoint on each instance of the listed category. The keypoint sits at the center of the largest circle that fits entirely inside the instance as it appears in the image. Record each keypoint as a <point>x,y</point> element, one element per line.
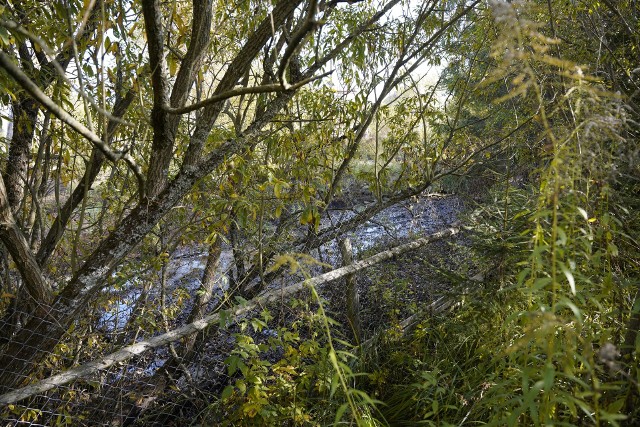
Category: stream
<point>412,217</point>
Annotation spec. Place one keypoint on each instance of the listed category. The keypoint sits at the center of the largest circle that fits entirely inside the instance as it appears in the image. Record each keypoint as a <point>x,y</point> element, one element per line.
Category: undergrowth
<point>549,334</point>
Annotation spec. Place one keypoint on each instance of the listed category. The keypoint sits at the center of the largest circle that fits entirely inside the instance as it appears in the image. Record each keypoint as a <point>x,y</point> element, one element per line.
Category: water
<point>401,221</point>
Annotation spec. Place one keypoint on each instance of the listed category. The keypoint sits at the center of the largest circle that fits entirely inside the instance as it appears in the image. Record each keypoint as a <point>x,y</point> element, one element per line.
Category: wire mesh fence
<point>98,381</point>
<point>131,393</point>
<point>119,367</point>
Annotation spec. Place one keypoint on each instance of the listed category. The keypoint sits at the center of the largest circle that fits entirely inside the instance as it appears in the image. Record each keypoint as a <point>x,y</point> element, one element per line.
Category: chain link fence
<point>134,392</point>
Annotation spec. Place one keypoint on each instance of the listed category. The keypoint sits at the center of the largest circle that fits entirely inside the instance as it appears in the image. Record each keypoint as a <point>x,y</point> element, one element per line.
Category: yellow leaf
<point>173,65</point>
<point>306,217</point>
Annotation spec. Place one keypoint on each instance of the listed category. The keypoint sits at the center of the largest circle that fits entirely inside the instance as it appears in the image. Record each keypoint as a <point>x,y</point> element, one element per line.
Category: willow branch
<point>276,87</point>
<point>27,84</point>
<point>308,26</point>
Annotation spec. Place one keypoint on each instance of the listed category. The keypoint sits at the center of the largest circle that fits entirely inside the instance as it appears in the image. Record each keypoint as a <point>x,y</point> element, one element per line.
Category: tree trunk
<point>353,299</point>
<point>199,310</point>
<point>172,367</point>
<point>25,114</point>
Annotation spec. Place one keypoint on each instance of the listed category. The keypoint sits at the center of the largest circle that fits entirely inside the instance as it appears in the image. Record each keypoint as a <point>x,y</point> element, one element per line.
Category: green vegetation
<point>143,131</point>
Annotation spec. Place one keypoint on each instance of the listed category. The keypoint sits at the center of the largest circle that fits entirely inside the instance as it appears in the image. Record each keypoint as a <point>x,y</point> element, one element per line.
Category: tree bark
<point>199,310</point>
<point>166,125</point>
<point>25,114</point>
<point>353,299</point>
<point>39,290</point>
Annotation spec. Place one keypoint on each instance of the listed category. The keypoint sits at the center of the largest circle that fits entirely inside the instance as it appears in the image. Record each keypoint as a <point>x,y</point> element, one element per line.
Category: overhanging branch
<point>276,87</point>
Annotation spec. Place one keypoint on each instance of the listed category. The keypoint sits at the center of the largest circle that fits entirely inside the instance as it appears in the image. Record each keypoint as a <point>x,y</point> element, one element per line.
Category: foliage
<point>290,376</point>
<point>540,343</point>
<point>159,126</point>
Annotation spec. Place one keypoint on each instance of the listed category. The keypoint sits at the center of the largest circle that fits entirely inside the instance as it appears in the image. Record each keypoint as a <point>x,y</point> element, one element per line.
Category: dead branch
<point>235,313</point>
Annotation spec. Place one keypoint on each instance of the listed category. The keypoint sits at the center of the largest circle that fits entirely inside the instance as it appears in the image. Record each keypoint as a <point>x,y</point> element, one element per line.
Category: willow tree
<point>553,336</point>
<point>123,110</point>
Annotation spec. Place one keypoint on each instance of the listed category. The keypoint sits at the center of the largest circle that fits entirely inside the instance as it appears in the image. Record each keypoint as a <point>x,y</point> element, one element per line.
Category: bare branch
<point>276,87</point>
<point>236,69</point>
<point>27,84</point>
<point>91,172</point>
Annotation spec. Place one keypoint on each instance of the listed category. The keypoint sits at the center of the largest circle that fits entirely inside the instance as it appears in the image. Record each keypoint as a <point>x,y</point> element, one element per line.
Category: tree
<point>129,107</point>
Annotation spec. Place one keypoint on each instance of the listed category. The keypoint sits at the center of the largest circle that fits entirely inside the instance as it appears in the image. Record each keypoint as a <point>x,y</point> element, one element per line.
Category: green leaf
<point>616,406</point>
<point>224,318</point>
<point>173,65</point>
<point>4,36</point>
<point>569,275</point>
<point>549,376</point>
<point>576,311</point>
<point>340,412</point>
<point>227,392</point>
<point>232,364</point>
<point>307,216</point>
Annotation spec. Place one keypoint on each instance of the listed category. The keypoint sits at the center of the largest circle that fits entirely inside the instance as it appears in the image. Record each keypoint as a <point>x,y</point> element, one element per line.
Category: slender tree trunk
<point>25,113</point>
<point>204,295</point>
<point>353,299</point>
<point>238,255</point>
